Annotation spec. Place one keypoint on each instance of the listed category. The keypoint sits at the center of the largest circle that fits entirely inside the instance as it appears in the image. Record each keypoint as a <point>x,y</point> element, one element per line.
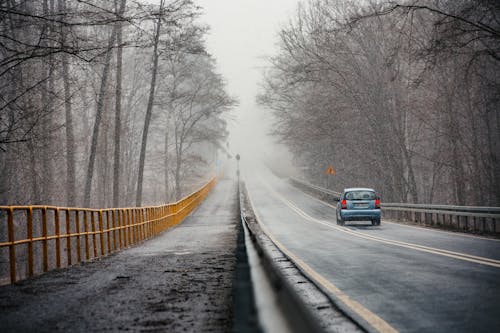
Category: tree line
<point>106,103</point>
<point>402,96</point>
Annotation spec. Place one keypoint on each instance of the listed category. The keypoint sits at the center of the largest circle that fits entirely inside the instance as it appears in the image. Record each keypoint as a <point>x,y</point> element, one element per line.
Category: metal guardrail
<point>293,308</point>
<point>467,218</point>
<point>479,211</point>
<point>37,236</point>
<point>319,189</point>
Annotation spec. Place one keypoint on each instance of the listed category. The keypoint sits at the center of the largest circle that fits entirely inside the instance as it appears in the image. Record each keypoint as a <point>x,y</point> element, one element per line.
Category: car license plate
<point>361,205</point>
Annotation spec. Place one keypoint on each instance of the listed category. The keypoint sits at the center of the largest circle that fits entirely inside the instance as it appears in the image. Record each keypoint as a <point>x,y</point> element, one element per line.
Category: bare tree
<point>118,105</point>
<point>396,95</point>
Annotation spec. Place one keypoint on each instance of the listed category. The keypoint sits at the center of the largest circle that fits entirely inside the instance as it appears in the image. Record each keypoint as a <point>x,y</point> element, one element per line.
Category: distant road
<point>397,277</point>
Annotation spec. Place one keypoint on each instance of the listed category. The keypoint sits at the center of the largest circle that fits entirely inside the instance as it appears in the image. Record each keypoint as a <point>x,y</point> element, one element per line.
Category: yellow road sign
<point>330,170</point>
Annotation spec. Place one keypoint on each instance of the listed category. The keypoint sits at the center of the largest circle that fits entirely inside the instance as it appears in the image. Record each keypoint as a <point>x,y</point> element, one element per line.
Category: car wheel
<point>376,222</point>
<point>339,219</point>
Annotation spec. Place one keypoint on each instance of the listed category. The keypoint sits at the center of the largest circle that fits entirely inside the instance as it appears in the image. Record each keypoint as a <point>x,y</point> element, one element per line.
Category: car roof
<point>350,189</point>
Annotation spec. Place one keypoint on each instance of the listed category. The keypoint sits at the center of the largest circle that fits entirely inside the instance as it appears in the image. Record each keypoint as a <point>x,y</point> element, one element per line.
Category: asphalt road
<point>401,278</point>
<point>181,281</point>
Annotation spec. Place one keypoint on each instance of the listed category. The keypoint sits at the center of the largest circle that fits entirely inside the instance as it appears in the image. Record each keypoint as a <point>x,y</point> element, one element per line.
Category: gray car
<point>358,204</point>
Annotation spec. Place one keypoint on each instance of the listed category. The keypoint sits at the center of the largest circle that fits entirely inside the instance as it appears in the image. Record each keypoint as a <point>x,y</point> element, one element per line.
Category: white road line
<point>451,254</point>
<point>412,226</point>
<point>375,321</point>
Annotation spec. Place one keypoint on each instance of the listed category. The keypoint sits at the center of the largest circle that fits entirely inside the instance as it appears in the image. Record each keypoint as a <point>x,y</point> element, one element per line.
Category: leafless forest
<point>106,103</point>
<point>402,96</point>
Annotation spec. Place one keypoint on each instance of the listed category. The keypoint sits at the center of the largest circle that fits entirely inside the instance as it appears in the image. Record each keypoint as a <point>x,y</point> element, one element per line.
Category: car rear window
<point>360,195</point>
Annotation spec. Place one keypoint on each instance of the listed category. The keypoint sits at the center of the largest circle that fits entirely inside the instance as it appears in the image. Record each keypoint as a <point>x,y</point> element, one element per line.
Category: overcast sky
<point>241,33</point>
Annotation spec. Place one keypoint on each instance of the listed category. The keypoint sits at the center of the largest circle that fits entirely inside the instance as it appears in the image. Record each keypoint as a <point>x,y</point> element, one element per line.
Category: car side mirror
<point>336,199</point>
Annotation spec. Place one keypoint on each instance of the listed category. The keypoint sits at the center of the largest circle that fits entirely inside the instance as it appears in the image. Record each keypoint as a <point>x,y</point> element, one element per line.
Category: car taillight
<point>377,203</point>
<point>344,204</point>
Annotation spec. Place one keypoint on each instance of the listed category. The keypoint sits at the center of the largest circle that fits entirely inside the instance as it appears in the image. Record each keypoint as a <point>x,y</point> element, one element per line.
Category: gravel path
<point>181,281</point>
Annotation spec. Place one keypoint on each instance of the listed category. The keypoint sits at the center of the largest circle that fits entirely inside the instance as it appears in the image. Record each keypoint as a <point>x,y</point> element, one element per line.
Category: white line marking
<point>413,226</point>
<point>375,321</point>
<point>451,254</point>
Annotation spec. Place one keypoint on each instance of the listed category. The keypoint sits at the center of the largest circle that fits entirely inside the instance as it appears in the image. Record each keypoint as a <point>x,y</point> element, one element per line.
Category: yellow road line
<point>422,248</point>
<point>375,321</point>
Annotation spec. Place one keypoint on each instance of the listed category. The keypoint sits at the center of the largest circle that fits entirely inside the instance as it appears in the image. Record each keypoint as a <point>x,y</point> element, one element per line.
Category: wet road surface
<point>413,279</point>
<point>181,281</point>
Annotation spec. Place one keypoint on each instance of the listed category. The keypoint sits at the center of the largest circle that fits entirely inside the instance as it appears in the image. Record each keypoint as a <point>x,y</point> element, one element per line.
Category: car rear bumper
<point>360,214</point>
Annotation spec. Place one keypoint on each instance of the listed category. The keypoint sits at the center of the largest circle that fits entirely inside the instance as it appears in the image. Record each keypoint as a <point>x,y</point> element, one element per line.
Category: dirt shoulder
<point>181,281</point>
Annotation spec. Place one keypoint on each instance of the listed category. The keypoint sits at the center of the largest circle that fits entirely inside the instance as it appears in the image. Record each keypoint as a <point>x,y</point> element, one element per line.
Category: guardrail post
<point>139,224</point>
<point>140,219</point>
<point>77,229</point>
<point>108,232</point>
<point>30,244</point>
<point>147,225</point>
<point>113,215</point>
<point>58,239</point>
<point>101,232</point>
<point>129,229</point>
<point>12,249</point>
<point>135,222</point>
<point>92,227</point>
<point>145,221</point>
<point>86,230</point>
<point>68,238</point>
<point>152,225</point>
<point>45,240</point>
<point>124,226</point>
<point>121,233</point>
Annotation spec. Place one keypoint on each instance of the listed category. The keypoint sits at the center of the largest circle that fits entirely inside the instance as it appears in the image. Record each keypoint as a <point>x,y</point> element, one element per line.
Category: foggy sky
<point>242,32</point>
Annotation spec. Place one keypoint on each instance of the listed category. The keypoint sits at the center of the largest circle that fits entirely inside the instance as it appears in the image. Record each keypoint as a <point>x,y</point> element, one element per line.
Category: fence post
<point>68,238</point>
<point>124,226</point>
<point>144,223</point>
<point>108,233</point>
<point>12,249</point>
<point>92,227</point>
<point>121,233</point>
<point>101,232</point>
<point>30,244</point>
<point>45,241</point>
<point>113,214</point>
<point>77,230</point>
<point>58,239</point>
<point>86,229</point>
<point>129,226</point>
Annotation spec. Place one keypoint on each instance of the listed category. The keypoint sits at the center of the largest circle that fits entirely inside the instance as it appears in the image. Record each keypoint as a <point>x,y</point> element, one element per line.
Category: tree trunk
<point>178,191</point>
<point>149,110</point>
<point>167,190</point>
<point>70,138</point>
<point>457,158</point>
<point>98,117</point>
<point>48,88</point>
<point>118,107</point>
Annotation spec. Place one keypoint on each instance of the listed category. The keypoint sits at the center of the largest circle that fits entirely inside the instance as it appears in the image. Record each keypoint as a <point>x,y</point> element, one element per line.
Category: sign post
<point>238,166</point>
<point>330,171</point>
